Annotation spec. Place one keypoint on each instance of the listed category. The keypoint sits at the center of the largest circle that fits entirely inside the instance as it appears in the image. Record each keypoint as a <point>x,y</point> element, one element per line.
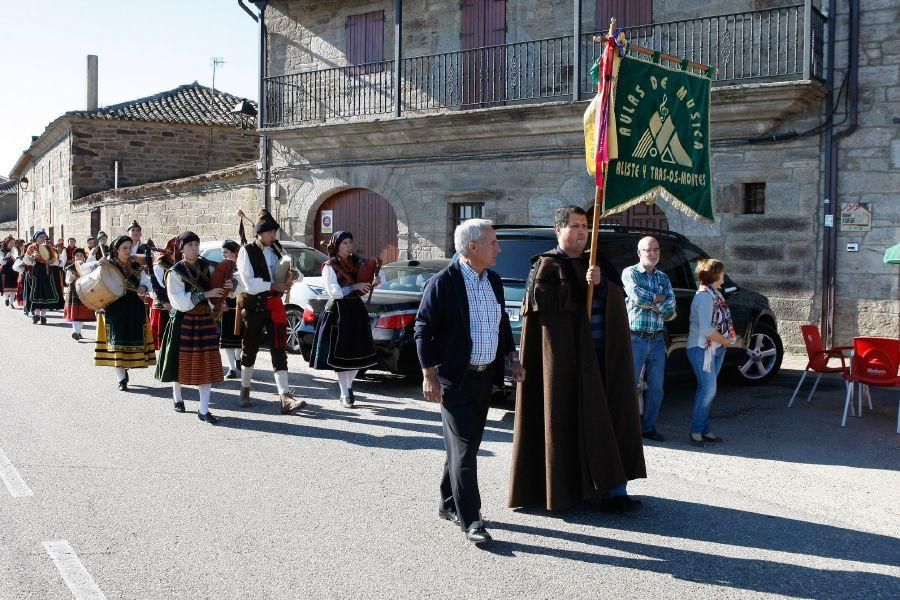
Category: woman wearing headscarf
<point>229,341</point>
<point>10,279</point>
<point>161,307</point>
<point>76,312</point>
<point>189,354</point>
<point>43,288</point>
<point>343,339</point>
<point>124,339</point>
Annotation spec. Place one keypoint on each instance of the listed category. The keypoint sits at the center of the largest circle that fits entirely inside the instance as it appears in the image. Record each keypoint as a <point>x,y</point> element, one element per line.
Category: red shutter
<point>495,32</point>
<point>628,13</point>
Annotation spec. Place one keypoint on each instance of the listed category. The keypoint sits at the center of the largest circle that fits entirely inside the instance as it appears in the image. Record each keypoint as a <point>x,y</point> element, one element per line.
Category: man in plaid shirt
<point>650,302</point>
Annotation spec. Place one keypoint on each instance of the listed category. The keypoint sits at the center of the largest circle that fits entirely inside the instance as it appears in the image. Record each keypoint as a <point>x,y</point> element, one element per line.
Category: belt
<point>649,335</point>
<point>480,368</point>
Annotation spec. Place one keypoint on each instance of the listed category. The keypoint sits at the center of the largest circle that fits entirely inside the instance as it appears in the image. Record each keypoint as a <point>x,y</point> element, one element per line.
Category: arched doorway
<point>367,215</point>
<point>639,215</point>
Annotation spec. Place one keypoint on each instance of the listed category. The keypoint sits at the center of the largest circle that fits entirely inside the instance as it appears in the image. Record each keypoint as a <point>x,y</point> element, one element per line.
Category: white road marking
<point>11,478</point>
<point>80,582</point>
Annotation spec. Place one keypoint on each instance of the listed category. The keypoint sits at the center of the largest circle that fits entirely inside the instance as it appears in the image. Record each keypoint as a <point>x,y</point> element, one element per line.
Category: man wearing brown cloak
<point>577,426</point>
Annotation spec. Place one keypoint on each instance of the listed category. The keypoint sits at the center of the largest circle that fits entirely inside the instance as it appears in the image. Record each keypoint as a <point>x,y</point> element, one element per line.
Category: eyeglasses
<point>649,250</point>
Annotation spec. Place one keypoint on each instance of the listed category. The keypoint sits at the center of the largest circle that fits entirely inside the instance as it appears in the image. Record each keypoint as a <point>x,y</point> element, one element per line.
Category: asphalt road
<point>123,498</point>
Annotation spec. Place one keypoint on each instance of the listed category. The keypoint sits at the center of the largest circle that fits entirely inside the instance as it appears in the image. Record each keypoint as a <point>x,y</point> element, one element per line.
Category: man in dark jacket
<point>577,429</point>
<point>462,336</point>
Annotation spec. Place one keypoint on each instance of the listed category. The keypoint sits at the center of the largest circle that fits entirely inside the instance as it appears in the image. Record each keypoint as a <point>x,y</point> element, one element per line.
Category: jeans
<point>706,386</point>
<point>652,353</point>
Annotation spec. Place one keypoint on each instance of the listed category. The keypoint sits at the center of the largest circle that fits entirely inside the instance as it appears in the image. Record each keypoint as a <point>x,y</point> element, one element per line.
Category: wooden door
<point>482,70</point>
<point>365,214</point>
<point>628,13</point>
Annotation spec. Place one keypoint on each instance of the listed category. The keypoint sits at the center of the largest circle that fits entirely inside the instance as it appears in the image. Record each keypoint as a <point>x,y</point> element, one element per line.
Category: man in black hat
<point>135,233</point>
<point>262,310</point>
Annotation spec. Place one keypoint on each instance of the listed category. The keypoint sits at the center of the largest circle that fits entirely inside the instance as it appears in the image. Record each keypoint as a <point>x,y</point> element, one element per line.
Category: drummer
<point>263,311</point>
<point>76,312</point>
<point>343,339</point>
<point>229,341</point>
<point>124,340</point>
<point>42,292</point>
<point>159,311</point>
<point>189,353</point>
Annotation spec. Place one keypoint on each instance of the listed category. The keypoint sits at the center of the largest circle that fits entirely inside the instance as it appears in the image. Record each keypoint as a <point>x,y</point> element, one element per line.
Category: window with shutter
<point>628,13</point>
<point>483,72</point>
<point>365,42</point>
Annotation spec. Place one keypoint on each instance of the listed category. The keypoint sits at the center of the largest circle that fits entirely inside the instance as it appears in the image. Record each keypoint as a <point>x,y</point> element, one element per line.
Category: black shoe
<point>43,320</point>
<point>346,402</point>
<point>653,435</point>
<point>126,376</point>
<point>448,514</point>
<point>620,505</point>
<point>208,417</point>
<point>179,407</point>
<point>34,320</point>
<point>232,374</point>
<point>352,397</point>
<point>698,443</point>
<point>75,336</point>
<point>478,535</point>
<point>7,301</point>
<point>123,385</point>
<point>711,437</point>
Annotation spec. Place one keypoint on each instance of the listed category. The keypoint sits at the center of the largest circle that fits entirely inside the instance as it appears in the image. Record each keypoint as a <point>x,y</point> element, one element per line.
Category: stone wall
<point>44,204</point>
<point>206,204</point>
<point>149,152</point>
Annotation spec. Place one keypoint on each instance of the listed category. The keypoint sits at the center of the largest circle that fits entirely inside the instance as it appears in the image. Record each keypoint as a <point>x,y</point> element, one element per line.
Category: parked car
<point>392,314</point>
<point>308,261</point>
<point>753,360</point>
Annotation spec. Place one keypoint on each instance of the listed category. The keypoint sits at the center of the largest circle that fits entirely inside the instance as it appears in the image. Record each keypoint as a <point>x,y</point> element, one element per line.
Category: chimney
<point>91,82</point>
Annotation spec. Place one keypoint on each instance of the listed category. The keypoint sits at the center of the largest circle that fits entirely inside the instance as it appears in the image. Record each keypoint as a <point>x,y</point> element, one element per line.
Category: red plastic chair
<point>818,359</point>
<point>875,362</point>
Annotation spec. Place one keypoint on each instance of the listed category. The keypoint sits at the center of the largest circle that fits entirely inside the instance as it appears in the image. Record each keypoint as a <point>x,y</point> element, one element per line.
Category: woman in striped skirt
<point>124,340</point>
<point>76,312</point>
<point>189,354</point>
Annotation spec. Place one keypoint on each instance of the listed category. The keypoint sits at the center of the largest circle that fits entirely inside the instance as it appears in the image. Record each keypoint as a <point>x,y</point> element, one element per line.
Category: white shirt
<point>332,286</point>
<point>252,284</point>
<point>180,296</point>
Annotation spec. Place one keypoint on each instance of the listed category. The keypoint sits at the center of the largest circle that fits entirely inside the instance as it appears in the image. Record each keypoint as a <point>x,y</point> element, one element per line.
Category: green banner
<point>662,133</point>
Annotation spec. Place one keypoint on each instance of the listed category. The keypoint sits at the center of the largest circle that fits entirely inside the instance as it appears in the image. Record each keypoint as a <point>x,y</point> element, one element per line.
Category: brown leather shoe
<point>245,397</point>
<point>289,404</point>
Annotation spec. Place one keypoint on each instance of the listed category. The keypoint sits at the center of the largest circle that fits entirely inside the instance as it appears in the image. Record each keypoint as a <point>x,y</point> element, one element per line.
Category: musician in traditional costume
<point>135,232</point>
<point>190,350</point>
<point>159,311</point>
<point>8,275</point>
<point>124,340</point>
<point>229,340</point>
<point>76,312</point>
<point>43,291</point>
<point>262,310</point>
<point>343,339</point>
<point>101,248</point>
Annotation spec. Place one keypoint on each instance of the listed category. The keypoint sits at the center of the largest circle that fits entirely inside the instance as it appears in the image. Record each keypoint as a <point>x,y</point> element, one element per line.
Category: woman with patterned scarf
<point>343,340</point>
<point>711,331</point>
<point>124,339</point>
<point>189,354</point>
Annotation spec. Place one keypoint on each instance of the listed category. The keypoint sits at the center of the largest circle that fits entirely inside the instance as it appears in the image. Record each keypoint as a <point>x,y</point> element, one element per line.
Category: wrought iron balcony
<point>777,44</point>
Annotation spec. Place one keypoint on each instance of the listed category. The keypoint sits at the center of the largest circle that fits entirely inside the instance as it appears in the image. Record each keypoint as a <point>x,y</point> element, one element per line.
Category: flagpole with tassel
<point>600,181</point>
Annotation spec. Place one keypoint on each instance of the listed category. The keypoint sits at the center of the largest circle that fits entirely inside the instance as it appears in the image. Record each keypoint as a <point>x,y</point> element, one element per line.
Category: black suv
<point>754,359</point>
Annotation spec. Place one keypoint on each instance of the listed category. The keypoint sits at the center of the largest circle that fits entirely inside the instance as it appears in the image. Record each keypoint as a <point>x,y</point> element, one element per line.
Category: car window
<point>213,255</point>
<point>692,257</point>
<point>405,279</point>
<point>308,261</point>
<point>672,264</point>
<point>514,260</point>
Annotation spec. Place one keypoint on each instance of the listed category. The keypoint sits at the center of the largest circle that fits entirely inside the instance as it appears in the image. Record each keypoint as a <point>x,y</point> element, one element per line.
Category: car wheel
<point>294,321</point>
<point>762,358</point>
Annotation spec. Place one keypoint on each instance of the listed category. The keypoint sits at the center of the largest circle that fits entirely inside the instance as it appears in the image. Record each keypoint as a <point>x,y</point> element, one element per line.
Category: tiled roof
<point>191,104</point>
<point>7,187</point>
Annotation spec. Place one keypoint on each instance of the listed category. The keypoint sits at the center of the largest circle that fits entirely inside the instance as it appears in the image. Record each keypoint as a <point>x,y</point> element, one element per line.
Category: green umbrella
<point>892,255</point>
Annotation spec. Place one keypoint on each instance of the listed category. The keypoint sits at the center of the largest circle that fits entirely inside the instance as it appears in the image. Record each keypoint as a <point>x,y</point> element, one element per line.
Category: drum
<point>223,272</point>
<point>101,287</point>
<point>44,252</point>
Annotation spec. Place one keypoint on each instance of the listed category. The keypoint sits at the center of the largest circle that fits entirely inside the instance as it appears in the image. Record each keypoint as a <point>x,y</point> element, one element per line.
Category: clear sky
<point>144,47</point>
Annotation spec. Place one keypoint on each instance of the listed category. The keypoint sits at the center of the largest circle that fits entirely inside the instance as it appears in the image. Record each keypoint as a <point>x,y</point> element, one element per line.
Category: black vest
<point>254,252</point>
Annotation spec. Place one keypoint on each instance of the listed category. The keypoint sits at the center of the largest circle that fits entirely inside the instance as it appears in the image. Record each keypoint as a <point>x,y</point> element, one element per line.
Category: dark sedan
<point>392,314</point>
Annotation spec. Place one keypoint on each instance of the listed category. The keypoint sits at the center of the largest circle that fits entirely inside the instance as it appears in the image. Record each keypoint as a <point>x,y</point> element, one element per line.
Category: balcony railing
<point>778,44</point>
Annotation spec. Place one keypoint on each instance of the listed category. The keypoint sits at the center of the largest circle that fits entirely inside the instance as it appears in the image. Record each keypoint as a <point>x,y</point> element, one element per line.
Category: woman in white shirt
<point>343,340</point>
<point>711,331</point>
<point>189,354</point>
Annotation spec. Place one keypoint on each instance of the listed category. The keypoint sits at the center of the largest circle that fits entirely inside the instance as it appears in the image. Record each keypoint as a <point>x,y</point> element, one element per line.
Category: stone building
<point>481,115</point>
<point>174,134</point>
<point>7,207</point>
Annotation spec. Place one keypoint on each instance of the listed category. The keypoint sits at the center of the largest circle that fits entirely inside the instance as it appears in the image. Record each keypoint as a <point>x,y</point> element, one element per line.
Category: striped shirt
<point>484,315</point>
<point>641,288</point>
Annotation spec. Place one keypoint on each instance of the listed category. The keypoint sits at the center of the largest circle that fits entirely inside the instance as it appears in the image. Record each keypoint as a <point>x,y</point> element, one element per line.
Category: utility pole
<point>215,62</point>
